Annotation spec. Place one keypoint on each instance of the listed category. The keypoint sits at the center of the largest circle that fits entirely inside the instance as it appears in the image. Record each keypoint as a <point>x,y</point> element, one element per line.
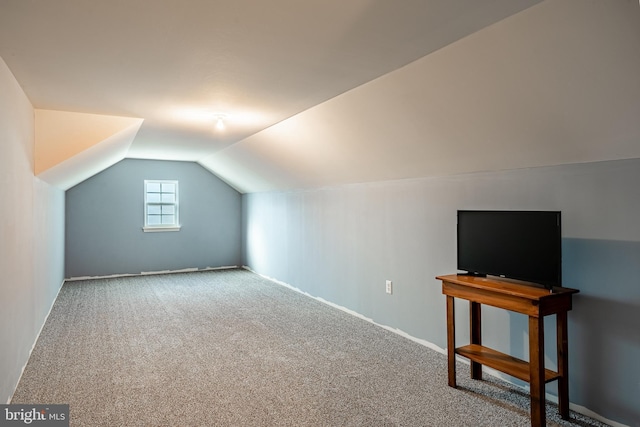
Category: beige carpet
<point>229,348</point>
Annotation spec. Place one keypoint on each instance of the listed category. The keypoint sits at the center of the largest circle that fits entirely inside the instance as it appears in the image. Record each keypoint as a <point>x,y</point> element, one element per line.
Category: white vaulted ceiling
<point>318,93</point>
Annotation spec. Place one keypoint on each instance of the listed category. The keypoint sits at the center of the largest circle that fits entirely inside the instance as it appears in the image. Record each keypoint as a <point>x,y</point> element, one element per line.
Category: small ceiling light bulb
<point>220,123</point>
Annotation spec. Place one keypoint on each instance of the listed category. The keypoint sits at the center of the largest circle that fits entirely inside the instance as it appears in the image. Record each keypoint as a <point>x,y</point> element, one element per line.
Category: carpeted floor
<point>229,348</point>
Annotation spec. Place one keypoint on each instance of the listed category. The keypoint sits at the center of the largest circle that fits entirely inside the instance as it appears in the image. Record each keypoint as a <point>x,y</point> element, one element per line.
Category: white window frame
<point>175,226</point>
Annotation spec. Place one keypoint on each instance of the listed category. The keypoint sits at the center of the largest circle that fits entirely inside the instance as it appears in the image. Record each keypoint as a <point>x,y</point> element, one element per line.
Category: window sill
<point>160,229</point>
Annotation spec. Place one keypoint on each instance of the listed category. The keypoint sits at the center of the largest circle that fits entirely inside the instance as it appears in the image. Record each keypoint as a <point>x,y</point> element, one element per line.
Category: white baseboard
<point>149,273</point>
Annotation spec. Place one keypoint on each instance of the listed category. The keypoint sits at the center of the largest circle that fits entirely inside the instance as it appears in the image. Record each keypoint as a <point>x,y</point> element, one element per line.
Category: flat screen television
<point>522,245</point>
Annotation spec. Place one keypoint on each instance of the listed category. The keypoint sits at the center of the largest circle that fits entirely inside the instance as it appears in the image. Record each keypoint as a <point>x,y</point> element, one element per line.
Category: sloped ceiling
<point>558,83</point>
<point>71,147</point>
<point>329,92</point>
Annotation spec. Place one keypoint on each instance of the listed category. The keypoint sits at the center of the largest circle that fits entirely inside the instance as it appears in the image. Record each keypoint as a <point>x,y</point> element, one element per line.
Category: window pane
<point>168,187</point>
<point>153,219</point>
<point>153,187</point>
<point>168,198</point>
<point>161,203</point>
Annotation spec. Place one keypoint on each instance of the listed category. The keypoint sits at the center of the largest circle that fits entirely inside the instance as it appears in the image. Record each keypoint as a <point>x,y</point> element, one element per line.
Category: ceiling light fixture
<point>220,122</point>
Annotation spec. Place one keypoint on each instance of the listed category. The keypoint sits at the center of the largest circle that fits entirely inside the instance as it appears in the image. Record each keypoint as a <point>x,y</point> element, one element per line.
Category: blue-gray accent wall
<point>342,243</point>
<point>105,216</point>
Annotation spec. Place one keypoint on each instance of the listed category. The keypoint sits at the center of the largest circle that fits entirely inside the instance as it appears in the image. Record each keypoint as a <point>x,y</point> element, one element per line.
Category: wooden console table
<point>534,301</point>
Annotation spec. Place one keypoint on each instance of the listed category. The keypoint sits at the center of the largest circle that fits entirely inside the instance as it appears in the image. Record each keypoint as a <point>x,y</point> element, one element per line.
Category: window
<point>161,206</point>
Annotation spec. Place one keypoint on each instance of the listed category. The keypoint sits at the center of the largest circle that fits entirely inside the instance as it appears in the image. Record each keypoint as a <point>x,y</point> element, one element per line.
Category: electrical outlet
<point>389,287</point>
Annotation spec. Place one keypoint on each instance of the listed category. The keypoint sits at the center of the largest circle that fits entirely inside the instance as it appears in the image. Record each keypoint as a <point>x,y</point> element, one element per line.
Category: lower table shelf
<point>502,362</point>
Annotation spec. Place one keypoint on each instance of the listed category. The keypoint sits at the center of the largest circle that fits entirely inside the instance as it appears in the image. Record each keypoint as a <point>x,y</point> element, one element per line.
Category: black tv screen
<point>523,245</point>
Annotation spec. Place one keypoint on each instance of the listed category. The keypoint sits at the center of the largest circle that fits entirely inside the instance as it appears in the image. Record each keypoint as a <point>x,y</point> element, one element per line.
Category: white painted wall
<point>31,236</point>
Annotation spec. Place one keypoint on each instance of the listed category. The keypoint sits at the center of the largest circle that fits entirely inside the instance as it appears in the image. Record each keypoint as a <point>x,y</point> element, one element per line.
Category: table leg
<point>536,366</point>
<point>475,328</point>
<point>451,341</point>
<point>563,364</point>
